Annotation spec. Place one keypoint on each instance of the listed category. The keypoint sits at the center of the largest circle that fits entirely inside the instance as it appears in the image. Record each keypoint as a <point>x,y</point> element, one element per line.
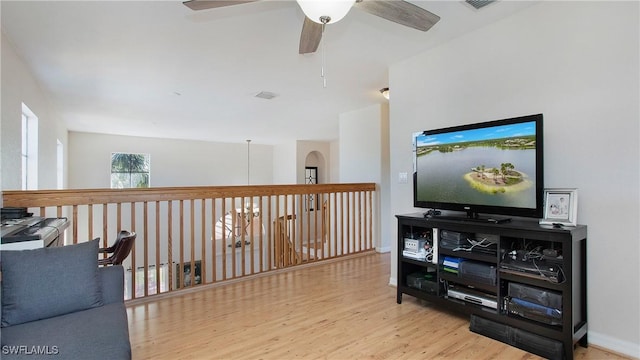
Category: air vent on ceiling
<point>266,95</point>
<point>479,3</point>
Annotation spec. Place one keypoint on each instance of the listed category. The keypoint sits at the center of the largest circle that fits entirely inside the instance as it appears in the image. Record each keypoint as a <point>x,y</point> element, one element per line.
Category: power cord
<point>484,242</point>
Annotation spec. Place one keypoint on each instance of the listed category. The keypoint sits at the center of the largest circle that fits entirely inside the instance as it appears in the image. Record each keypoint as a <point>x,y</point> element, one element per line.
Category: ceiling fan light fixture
<point>385,92</point>
<point>325,11</point>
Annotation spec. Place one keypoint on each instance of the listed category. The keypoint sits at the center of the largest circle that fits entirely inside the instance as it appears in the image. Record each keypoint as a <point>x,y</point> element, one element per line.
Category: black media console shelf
<point>521,283</point>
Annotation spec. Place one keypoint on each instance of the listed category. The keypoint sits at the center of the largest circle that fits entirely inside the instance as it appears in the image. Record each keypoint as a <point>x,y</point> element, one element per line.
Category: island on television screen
<point>494,166</point>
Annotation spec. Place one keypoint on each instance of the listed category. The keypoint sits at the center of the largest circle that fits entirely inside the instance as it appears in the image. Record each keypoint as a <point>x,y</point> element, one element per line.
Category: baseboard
<point>393,281</point>
<point>612,344</point>
<point>383,250</point>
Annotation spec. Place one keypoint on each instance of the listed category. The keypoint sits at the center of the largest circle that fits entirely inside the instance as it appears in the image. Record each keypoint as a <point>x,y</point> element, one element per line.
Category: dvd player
<point>472,296</point>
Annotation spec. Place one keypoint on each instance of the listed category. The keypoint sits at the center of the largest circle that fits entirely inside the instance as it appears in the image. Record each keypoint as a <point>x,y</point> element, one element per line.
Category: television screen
<point>492,167</point>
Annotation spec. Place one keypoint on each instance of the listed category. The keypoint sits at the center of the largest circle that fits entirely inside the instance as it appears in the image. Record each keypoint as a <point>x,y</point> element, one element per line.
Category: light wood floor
<point>340,310</point>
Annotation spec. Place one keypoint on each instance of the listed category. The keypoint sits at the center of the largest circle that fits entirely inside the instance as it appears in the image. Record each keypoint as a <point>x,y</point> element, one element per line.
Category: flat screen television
<point>492,167</point>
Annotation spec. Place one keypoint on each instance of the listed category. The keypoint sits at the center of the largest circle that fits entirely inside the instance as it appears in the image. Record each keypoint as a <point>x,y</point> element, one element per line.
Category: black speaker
<point>533,343</point>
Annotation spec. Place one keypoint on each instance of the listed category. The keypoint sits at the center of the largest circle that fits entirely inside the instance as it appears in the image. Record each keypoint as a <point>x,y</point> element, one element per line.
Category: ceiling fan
<point>318,13</point>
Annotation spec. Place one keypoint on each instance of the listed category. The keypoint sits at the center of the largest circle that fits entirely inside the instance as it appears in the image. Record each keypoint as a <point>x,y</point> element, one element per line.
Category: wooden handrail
<point>40,198</point>
<point>197,229</point>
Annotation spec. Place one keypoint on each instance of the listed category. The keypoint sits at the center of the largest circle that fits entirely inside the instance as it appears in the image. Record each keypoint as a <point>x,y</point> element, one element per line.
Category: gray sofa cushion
<point>42,283</point>
<point>97,333</point>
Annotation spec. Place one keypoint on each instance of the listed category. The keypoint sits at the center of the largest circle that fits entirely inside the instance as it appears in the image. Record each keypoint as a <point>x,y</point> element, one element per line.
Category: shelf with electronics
<point>522,283</point>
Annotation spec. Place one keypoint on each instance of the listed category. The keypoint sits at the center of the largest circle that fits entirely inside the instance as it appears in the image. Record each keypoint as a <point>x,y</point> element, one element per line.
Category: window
<point>129,170</point>
<point>311,177</point>
<point>29,149</point>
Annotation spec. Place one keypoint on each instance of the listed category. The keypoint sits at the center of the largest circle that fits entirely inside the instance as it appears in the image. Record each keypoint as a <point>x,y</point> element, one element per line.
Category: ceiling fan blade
<point>400,12</point>
<point>310,37</point>
<point>210,4</point>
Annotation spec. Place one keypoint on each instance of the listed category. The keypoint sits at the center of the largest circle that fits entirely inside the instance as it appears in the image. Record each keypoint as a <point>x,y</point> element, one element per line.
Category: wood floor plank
<point>338,310</point>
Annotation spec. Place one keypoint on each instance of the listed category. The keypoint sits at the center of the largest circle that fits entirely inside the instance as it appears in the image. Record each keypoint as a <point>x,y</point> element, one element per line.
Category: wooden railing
<point>194,236</point>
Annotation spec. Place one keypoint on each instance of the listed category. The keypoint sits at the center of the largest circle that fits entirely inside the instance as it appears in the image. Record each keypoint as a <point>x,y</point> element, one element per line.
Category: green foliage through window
<point>129,170</point>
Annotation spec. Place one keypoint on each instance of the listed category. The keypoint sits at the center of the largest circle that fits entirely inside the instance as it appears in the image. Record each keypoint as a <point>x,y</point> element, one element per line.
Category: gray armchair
<point>57,303</point>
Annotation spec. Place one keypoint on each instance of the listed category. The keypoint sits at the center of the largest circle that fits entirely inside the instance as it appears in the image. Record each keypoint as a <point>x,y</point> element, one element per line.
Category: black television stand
<point>507,300</point>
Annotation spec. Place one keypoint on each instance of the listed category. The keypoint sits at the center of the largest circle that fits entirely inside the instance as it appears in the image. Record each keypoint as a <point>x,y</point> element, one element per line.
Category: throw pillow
<point>43,283</point>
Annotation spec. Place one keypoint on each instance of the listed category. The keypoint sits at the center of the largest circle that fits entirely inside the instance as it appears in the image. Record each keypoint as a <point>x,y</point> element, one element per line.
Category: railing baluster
<point>132,211</point>
<point>90,225</point>
<point>307,234</point>
<point>243,229</point>
<point>335,224</point>
<point>301,233</point>
<point>180,273</point>
<point>260,236</point>
<point>145,246</point>
<point>214,240</point>
<point>203,244</point>
<point>233,236</point>
<point>370,208</point>
<point>105,220</point>
<point>278,245</point>
<point>192,243</point>
<point>269,237</point>
<point>342,211</point>
<point>360,206</point>
<point>74,222</point>
<point>223,241</point>
<point>170,244</point>
<point>157,242</point>
<point>252,246</point>
<point>352,220</point>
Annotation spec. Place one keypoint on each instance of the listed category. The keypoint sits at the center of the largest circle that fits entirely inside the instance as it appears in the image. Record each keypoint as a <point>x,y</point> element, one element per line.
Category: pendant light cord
<point>248,162</point>
<point>324,20</point>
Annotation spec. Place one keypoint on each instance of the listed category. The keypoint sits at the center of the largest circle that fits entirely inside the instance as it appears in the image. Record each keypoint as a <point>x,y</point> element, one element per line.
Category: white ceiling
<point>159,69</point>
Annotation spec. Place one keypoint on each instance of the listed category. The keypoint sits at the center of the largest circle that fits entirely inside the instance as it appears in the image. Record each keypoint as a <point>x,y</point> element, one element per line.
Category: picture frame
<point>560,207</point>
<point>189,278</point>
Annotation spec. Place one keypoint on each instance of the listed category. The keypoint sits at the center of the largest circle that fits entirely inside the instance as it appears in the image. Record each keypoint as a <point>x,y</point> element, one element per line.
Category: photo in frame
<point>560,207</point>
<point>189,277</point>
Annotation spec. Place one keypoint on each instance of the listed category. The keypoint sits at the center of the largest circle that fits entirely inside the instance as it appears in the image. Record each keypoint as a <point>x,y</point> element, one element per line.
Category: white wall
<point>360,145</point>
<point>363,148</point>
<point>334,161</point>
<point>19,86</point>
<point>284,163</point>
<point>578,64</point>
<point>173,162</point>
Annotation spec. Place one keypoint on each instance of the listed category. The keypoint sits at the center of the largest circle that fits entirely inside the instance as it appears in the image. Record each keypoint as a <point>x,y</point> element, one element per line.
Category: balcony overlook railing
<point>193,236</point>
